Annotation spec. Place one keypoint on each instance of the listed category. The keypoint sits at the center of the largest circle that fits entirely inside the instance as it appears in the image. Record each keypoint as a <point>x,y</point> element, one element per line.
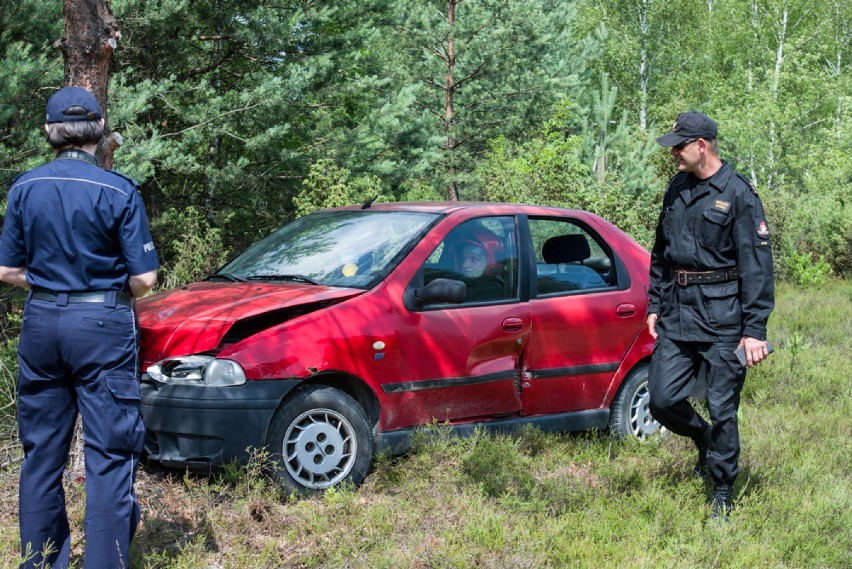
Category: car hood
<point>195,318</point>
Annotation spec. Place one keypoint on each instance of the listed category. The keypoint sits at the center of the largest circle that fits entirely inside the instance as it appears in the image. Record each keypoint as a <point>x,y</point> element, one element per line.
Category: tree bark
<point>91,35</point>
<point>449,99</point>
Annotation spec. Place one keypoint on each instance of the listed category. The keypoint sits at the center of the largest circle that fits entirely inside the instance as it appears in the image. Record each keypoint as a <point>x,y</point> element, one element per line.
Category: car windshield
<point>336,248</point>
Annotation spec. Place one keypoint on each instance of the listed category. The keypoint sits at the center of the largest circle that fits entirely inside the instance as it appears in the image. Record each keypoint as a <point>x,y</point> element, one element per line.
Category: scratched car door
<point>461,361</point>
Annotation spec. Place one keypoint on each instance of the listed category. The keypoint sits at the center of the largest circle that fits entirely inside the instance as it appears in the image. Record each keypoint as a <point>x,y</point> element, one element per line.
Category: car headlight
<point>197,370</point>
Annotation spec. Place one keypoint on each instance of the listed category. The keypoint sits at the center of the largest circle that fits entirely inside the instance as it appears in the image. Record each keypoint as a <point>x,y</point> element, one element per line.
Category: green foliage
<point>498,466</point>
<point>192,248</point>
<point>807,271</point>
<point>227,107</point>
<point>328,185</point>
<point>549,170</point>
<point>29,69</point>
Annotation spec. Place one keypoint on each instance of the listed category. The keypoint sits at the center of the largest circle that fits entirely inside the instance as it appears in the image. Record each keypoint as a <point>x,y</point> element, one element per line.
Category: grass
<point>542,500</point>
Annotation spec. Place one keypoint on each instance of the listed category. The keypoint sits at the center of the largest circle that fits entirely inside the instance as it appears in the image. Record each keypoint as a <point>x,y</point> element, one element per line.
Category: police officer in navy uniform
<point>711,291</point>
<point>77,236</point>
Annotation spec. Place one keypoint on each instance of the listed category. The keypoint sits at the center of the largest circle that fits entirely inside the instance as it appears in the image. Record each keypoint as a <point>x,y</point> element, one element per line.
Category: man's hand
<point>755,350</point>
<point>651,321</point>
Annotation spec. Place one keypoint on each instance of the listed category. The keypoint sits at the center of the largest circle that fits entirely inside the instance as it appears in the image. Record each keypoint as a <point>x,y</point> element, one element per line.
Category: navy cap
<point>689,126</point>
<point>72,104</point>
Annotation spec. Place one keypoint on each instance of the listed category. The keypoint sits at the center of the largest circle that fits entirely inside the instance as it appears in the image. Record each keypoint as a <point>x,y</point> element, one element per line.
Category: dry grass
<point>539,500</point>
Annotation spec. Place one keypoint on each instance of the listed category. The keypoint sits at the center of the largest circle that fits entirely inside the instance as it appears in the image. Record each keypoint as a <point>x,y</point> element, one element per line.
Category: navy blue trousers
<point>674,367</point>
<point>78,358</point>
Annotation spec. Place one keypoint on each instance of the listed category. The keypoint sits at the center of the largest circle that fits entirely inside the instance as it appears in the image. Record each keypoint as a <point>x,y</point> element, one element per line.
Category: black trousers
<point>674,367</point>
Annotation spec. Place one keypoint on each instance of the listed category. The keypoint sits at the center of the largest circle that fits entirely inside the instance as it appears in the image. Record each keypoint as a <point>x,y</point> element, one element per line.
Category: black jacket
<point>708,225</point>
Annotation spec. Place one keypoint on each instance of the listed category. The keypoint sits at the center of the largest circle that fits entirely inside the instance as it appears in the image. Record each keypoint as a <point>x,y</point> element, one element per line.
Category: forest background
<point>238,116</point>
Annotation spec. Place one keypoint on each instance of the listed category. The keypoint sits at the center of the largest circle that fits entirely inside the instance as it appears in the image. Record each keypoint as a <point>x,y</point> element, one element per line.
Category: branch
<point>429,109</point>
<point>210,120</point>
<point>471,75</point>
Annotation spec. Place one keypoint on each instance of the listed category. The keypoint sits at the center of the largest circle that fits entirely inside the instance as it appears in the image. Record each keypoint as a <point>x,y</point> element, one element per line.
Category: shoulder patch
<point>762,229</point>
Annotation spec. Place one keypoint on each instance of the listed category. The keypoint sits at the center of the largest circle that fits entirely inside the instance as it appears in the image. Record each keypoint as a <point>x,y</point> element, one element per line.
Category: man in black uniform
<point>711,292</point>
<point>78,238</point>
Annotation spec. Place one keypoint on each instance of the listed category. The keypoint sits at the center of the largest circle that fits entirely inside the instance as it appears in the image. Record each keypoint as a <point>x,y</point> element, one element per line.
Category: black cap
<point>72,104</point>
<point>689,125</point>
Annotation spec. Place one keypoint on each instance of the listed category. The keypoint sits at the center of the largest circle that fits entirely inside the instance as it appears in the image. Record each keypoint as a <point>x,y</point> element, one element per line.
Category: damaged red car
<point>343,332</point>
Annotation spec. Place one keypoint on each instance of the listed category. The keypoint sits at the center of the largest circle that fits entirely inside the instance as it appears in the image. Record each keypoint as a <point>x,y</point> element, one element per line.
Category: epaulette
<point>676,181</point>
<point>128,178</point>
<point>746,181</point>
<point>682,175</point>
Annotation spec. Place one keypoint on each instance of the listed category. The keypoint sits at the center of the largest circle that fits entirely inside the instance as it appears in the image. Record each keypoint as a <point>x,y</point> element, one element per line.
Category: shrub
<point>189,248</point>
<point>808,269</point>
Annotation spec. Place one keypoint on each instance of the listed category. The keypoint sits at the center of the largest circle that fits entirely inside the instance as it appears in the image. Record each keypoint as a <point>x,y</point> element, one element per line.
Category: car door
<point>584,317</point>
<point>462,361</point>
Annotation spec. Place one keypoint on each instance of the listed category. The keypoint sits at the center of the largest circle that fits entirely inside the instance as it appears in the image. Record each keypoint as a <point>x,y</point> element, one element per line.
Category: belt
<point>103,297</point>
<point>683,277</point>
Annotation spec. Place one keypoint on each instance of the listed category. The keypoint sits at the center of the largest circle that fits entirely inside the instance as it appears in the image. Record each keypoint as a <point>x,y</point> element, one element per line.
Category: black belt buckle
<point>681,278</point>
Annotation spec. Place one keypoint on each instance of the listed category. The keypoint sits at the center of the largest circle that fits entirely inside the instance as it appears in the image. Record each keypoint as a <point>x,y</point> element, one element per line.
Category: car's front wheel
<point>320,438</point>
<point>630,413</point>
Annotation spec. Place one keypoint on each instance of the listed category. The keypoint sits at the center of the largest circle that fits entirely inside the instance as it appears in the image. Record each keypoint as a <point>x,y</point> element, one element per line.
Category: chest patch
<point>762,229</point>
<point>722,205</point>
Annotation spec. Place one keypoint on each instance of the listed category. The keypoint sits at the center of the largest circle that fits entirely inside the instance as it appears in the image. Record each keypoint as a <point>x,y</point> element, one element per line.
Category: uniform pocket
<point>715,227</point>
<point>121,424</point>
<point>722,302</point>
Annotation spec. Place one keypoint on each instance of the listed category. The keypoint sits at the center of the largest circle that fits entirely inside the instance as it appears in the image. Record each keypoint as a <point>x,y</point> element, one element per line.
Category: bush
<point>328,185</point>
<point>808,269</point>
<point>189,248</point>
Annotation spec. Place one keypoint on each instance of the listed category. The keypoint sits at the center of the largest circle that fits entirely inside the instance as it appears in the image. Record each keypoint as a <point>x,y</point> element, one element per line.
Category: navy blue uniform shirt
<point>76,227</point>
<point>707,225</point>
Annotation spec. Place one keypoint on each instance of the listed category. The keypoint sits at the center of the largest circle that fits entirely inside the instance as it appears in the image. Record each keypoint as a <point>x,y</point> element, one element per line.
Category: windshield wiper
<point>296,278</point>
<point>225,277</point>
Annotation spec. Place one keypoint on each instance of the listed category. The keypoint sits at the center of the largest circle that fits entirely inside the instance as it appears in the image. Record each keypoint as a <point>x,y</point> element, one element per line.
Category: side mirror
<point>441,291</point>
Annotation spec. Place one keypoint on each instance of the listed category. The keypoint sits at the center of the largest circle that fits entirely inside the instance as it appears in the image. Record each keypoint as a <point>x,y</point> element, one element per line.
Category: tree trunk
<point>449,96</point>
<point>644,8</point>
<point>776,81</point>
<point>91,34</point>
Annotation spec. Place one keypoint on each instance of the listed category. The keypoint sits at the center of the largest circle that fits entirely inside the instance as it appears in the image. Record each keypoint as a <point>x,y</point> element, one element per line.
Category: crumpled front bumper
<point>201,427</point>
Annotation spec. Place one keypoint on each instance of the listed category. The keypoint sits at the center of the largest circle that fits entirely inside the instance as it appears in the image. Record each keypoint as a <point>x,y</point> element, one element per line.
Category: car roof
<point>445,207</point>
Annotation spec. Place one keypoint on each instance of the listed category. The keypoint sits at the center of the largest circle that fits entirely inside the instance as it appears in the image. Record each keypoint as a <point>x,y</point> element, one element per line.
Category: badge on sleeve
<point>762,229</point>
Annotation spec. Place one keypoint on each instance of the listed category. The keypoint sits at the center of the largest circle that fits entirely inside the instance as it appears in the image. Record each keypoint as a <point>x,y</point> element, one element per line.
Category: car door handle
<point>513,325</point>
<point>625,310</point>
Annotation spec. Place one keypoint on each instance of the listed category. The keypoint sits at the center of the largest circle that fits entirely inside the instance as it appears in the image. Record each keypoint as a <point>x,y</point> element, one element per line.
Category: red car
<point>343,332</point>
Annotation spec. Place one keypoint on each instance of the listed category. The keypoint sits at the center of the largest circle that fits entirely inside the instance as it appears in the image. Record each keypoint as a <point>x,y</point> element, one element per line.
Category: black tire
<point>319,438</point>
<point>630,414</point>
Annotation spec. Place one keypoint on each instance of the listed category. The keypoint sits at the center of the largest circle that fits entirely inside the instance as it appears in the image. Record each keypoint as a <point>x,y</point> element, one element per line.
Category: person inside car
<point>479,272</point>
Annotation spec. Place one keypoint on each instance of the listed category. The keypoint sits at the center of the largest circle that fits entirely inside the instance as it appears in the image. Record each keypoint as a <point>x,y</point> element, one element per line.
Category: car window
<point>569,258</point>
<point>337,248</point>
<point>482,253</point>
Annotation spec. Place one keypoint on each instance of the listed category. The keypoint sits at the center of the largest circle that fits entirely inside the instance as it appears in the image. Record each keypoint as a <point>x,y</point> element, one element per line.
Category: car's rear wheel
<point>320,438</point>
<point>630,413</point>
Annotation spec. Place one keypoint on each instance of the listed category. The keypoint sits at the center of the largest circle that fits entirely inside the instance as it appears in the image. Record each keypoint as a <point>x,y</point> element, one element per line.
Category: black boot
<point>722,502</point>
<point>701,470</point>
